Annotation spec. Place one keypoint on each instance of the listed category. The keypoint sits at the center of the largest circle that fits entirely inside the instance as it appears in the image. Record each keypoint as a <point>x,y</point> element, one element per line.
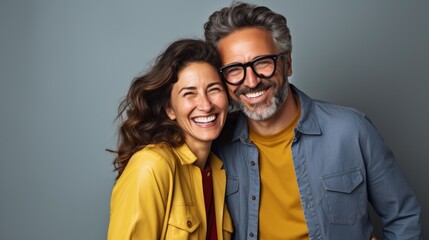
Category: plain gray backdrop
<point>66,65</point>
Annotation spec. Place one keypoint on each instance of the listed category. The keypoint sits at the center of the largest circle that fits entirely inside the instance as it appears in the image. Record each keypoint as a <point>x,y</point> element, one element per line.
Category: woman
<point>170,186</point>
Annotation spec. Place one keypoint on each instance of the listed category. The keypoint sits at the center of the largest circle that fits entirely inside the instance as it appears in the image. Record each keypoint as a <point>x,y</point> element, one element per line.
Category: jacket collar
<point>307,123</point>
<point>187,157</point>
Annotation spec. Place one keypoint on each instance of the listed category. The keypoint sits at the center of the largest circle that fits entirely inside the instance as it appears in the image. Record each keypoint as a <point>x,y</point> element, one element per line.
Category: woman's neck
<point>201,151</point>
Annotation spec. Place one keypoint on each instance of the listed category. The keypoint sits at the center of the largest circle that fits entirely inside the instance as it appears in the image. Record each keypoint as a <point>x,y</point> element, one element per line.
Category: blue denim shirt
<point>341,165</point>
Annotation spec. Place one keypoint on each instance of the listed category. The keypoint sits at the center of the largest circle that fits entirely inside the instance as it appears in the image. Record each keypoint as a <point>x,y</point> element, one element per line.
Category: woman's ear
<point>170,113</point>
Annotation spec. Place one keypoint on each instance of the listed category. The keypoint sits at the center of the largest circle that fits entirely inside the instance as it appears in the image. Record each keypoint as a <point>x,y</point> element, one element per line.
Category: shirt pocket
<point>183,222</point>
<point>345,199</point>
<point>232,196</point>
<point>231,185</point>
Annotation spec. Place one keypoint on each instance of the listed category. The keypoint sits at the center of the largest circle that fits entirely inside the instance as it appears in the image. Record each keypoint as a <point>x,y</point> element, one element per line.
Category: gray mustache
<point>261,86</point>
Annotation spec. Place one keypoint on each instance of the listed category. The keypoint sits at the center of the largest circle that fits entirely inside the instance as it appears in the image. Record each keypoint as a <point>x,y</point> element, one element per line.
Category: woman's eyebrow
<point>187,88</point>
<point>214,83</point>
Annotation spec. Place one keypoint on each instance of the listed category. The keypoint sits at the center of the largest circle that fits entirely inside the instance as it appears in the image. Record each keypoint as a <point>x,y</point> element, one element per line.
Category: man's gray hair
<point>240,15</point>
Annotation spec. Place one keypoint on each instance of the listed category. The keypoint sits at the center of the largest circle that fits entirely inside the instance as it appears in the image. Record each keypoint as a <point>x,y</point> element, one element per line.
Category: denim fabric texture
<point>341,164</point>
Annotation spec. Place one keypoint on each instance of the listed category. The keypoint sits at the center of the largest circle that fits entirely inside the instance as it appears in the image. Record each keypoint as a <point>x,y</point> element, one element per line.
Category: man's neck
<point>280,120</point>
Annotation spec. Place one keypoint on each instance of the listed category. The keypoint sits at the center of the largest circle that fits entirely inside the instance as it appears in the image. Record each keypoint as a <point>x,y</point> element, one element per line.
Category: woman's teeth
<point>205,119</point>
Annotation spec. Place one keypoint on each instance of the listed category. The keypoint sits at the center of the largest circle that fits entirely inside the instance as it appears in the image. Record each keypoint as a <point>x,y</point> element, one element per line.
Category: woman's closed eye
<point>215,89</point>
<point>188,93</point>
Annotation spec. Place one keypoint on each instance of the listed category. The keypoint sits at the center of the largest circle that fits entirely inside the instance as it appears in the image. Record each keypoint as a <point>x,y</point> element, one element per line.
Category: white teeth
<point>205,119</point>
<point>254,94</point>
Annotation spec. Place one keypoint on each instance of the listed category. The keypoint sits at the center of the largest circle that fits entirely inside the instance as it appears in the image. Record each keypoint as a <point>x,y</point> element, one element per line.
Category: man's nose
<point>251,80</point>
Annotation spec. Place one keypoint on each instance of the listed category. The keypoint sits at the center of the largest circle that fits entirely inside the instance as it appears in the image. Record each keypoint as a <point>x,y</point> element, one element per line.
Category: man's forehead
<point>246,44</point>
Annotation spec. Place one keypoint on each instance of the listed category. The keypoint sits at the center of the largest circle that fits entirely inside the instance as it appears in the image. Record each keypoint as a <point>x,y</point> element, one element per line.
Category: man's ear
<point>170,113</point>
<point>289,64</point>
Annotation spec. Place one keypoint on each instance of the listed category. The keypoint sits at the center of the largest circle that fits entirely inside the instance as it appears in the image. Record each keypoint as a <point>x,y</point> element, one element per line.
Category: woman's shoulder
<point>150,170</point>
<point>154,157</point>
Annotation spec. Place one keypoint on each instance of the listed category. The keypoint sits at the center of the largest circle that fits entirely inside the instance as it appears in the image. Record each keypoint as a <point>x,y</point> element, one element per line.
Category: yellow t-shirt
<point>280,213</point>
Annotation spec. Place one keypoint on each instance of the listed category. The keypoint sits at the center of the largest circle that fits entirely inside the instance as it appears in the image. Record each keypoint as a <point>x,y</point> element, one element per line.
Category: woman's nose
<point>204,103</point>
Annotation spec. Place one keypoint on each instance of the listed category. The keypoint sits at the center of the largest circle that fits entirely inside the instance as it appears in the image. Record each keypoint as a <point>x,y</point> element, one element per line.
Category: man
<point>298,168</point>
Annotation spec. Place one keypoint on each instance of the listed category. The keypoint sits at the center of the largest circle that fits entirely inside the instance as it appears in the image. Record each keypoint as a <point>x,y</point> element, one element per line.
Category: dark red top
<point>209,203</point>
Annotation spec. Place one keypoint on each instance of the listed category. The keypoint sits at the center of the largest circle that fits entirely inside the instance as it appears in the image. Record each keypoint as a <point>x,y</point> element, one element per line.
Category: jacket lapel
<point>219,185</point>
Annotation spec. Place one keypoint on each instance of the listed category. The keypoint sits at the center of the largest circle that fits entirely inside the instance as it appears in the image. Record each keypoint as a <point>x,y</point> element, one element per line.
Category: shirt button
<point>251,234</point>
<point>252,163</point>
<point>189,223</point>
<point>253,197</point>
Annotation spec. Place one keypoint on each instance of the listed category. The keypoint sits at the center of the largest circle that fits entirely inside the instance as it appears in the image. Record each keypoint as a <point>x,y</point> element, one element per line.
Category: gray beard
<point>261,113</point>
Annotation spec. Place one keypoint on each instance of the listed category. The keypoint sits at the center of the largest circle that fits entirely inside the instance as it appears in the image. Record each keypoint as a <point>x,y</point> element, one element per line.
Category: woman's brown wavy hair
<point>142,114</point>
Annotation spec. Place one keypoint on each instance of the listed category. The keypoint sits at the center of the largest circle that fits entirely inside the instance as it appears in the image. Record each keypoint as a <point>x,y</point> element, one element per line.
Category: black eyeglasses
<point>263,67</point>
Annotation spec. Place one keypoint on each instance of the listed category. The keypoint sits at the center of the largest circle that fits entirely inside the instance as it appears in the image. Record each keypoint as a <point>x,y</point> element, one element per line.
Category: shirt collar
<point>308,123</point>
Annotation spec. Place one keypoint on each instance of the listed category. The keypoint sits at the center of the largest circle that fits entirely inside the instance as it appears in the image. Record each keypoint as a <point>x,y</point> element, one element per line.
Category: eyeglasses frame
<point>274,57</point>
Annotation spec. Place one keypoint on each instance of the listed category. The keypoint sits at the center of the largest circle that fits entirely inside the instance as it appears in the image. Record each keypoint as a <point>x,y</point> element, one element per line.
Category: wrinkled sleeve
<point>389,192</point>
<point>139,198</point>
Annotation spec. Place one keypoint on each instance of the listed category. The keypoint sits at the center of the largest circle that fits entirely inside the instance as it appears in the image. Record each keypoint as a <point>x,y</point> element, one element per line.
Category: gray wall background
<point>65,66</point>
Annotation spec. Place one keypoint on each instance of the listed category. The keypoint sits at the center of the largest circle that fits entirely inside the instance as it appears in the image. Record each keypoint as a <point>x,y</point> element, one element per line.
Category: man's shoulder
<point>333,109</point>
<point>338,116</point>
<point>228,130</point>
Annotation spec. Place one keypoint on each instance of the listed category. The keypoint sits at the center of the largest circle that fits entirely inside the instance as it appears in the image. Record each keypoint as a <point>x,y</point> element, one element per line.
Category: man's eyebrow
<point>253,59</point>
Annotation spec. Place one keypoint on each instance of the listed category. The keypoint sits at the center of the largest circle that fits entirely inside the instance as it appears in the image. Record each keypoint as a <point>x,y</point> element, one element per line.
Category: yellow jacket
<point>160,196</point>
